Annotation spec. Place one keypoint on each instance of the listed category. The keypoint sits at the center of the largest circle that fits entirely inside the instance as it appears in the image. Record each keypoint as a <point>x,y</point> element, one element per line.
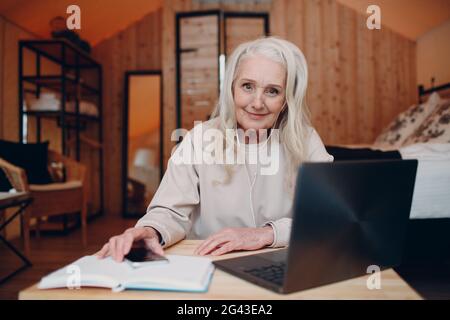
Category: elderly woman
<point>233,206</point>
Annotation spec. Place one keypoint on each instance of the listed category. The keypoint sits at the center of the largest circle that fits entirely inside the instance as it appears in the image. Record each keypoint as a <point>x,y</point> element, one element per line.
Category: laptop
<point>347,216</point>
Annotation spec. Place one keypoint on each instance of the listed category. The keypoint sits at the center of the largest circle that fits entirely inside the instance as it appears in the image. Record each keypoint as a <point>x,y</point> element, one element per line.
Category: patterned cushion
<point>435,129</point>
<point>405,124</point>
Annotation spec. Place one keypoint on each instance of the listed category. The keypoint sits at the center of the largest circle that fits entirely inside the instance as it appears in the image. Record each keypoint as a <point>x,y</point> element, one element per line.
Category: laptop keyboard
<point>273,273</point>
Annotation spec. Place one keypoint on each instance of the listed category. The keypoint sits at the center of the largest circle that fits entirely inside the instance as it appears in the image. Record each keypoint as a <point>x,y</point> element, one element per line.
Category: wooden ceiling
<point>99,18</point>
<point>410,18</point>
<point>102,18</point>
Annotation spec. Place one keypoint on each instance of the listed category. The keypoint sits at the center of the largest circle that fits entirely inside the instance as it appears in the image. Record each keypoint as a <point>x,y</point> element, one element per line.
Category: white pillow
<point>435,128</point>
<point>406,123</point>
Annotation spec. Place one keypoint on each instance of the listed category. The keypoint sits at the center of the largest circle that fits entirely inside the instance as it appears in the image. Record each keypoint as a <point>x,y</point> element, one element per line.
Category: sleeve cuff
<point>281,232</point>
<point>165,236</point>
<point>160,237</point>
<point>272,245</point>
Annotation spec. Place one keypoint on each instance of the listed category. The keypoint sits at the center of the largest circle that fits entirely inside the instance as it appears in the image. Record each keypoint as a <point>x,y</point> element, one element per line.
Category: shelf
<point>54,82</point>
<point>57,114</point>
<point>53,50</point>
<point>79,77</point>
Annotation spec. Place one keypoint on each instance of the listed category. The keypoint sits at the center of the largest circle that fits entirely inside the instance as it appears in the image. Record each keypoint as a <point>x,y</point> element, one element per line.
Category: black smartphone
<point>140,257</point>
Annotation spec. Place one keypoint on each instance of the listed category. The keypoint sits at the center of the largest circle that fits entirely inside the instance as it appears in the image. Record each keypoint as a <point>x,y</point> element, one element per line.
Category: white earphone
<point>252,183</point>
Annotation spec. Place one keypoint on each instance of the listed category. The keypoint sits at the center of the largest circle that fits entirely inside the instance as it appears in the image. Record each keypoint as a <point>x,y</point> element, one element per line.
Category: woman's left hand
<point>231,239</point>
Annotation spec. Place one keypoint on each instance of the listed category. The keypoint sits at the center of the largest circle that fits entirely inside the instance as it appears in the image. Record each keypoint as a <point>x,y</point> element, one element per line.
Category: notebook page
<point>182,272</point>
<point>91,270</point>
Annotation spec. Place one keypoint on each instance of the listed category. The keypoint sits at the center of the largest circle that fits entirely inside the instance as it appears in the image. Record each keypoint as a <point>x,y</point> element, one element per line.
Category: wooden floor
<point>51,252</point>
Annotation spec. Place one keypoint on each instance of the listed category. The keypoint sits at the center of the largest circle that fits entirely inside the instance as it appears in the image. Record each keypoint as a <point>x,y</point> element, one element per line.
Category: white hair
<point>294,120</point>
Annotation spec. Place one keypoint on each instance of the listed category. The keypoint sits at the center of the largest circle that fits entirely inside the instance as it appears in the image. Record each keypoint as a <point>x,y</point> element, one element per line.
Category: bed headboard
<point>443,90</point>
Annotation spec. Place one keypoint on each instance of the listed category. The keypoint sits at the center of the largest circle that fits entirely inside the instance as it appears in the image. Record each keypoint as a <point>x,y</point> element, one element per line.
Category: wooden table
<point>226,286</point>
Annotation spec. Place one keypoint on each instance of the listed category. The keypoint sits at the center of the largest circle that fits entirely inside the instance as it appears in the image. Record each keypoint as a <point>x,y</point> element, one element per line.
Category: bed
<point>422,132</point>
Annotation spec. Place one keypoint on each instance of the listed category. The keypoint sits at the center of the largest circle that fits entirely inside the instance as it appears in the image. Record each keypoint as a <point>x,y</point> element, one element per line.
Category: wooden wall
<point>9,120</point>
<point>9,124</point>
<point>137,47</point>
<point>359,79</point>
<point>9,37</point>
<point>254,28</point>
<point>199,74</point>
<point>2,35</point>
<point>170,8</point>
<point>10,34</point>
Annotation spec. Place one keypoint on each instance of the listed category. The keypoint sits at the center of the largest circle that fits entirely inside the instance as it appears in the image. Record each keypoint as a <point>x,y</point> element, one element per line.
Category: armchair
<point>53,198</point>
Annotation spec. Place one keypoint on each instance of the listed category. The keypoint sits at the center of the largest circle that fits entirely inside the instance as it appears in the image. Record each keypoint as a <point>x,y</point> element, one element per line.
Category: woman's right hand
<point>119,246</point>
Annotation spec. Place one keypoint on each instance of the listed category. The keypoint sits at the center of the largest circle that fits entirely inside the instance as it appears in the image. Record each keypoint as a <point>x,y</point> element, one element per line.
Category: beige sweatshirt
<point>195,200</point>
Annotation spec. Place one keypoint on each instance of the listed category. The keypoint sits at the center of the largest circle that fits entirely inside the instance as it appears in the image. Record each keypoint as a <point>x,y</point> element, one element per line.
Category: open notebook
<point>181,273</point>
